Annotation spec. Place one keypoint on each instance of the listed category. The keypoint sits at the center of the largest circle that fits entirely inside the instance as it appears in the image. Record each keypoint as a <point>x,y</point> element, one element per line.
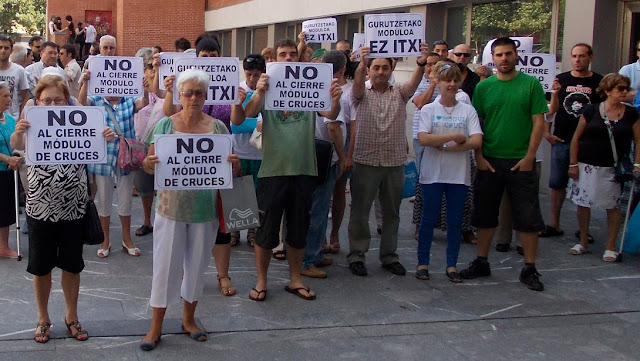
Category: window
<point>225,43</point>
<point>354,25</point>
<point>456,26</point>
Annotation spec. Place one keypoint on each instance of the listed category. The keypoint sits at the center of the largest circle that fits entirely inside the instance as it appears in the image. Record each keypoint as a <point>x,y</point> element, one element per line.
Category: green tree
<point>27,15</point>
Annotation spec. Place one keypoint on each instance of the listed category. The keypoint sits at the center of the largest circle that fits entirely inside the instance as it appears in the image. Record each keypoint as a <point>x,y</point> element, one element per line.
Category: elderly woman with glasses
<point>186,221</point>
<point>602,129</point>
<point>56,199</point>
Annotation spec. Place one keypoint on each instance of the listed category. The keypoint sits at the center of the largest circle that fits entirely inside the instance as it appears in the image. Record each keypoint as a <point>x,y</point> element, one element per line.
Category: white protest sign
<point>116,76</point>
<point>394,35</point>
<point>320,30</point>
<point>224,78</point>
<point>524,44</point>
<point>540,66</point>
<point>358,43</point>
<point>193,161</point>
<point>65,135</point>
<point>299,86</point>
<point>166,65</point>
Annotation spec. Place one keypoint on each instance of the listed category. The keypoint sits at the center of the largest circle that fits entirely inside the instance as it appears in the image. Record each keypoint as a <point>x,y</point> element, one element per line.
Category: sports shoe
<point>477,268</point>
<point>530,277</point>
<point>358,268</point>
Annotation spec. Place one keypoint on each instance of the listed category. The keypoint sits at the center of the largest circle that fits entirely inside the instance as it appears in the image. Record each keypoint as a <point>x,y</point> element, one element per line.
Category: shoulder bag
<point>131,152</point>
<point>623,168</point>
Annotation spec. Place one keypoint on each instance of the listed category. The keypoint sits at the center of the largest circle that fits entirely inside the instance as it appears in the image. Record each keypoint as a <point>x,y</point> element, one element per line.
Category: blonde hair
<point>447,71</point>
<point>52,81</point>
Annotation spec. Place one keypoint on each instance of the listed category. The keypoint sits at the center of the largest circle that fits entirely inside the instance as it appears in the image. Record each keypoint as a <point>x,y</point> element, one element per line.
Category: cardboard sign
<point>166,65</point>
<point>224,78</point>
<point>394,35</point>
<point>524,44</point>
<point>65,135</point>
<point>358,43</point>
<point>193,161</point>
<point>320,30</point>
<point>540,66</point>
<point>299,86</point>
<point>116,76</point>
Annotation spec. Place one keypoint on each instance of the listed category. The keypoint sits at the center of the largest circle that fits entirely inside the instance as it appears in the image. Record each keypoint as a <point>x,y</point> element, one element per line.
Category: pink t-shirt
<point>147,118</point>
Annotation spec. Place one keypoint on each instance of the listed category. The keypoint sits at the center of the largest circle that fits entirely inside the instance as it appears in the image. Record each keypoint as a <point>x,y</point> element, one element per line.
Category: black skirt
<point>7,199</point>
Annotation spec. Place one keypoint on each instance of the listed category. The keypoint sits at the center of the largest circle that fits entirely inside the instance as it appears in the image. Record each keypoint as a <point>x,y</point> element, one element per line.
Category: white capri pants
<point>104,193</point>
<point>180,247</point>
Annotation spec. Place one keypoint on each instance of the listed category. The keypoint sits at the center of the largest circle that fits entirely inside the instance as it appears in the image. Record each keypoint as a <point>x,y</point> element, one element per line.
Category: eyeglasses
<point>49,101</point>
<point>623,88</point>
<point>466,55</point>
<point>190,93</point>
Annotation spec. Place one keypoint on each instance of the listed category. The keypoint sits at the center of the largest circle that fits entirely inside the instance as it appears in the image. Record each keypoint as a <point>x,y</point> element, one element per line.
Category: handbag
<point>256,139</point>
<point>324,153</point>
<point>623,167</point>
<point>131,152</point>
<point>93,234</point>
<point>238,206</point>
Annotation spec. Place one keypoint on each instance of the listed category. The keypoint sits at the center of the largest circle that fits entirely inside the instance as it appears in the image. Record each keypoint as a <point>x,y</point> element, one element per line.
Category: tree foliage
<point>22,15</point>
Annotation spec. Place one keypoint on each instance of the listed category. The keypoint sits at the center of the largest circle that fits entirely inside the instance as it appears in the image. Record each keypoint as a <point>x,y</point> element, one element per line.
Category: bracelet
<point>573,165</point>
<point>636,165</point>
<point>421,64</point>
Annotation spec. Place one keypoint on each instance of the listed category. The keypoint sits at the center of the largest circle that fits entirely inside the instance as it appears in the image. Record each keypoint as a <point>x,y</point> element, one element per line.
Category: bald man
<point>462,56</point>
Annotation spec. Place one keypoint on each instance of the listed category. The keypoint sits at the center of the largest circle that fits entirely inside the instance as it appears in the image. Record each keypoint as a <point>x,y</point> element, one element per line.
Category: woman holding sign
<point>55,207</point>
<point>186,221</point>
<point>8,164</point>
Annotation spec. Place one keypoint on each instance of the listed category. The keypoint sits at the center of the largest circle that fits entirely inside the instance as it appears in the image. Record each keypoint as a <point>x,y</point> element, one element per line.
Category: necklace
<point>449,112</point>
<point>617,114</point>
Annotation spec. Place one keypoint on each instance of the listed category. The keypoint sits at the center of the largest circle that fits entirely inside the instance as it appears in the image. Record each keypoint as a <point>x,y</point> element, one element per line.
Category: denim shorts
<point>559,166</point>
<point>522,188</point>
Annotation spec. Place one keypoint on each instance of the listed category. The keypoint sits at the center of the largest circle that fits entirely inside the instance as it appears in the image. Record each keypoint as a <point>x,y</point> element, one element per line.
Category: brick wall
<point>138,23</point>
<point>218,4</point>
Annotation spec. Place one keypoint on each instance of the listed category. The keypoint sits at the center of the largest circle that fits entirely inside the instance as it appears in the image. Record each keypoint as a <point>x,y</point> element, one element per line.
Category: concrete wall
<point>606,44</point>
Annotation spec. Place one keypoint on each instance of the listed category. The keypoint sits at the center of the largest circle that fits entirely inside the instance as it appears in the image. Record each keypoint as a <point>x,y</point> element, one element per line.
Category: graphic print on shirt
<point>285,117</point>
<point>577,98</point>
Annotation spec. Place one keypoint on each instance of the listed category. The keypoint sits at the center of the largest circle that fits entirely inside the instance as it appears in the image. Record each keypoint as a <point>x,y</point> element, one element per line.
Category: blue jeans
<point>432,199</point>
<point>559,166</point>
<point>320,207</point>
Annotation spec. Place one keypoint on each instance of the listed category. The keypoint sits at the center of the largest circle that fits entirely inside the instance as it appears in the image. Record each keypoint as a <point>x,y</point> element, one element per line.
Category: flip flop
<point>578,249</point>
<point>257,298</point>
<point>144,230</point>
<point>280,255</point>
<point>454,276</point>
<point>296,291</point>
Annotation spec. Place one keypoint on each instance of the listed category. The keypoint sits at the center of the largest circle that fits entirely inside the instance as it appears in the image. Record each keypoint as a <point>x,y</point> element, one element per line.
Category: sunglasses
<point>623,88</point>
<point>466,55</point>
<point>254,60</point>
<point>148,66</point>
<point>190,93</point>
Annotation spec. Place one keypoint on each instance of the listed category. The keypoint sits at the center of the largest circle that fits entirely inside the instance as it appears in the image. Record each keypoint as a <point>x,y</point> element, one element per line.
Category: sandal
<point>610,256</point>
<point>144,230</point>
<point>235,238</point>
<point>257,297</point>
<point>296,291</point>
<point>133,251</point>
<point>550,232</point>
<point>104,253</point>
<point>251,237</point>
<point>148,346</point>
<point>228,290</point>
<point>422,274</point>
<point>280,255</point>
<point>589,237</point>
<point>578,249</point>
<point>44,333</point>
<point>454,276</point>
<point>80,334</point>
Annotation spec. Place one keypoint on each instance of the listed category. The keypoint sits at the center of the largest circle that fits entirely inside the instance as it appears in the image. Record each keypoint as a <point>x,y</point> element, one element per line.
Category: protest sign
<point>116,76</point>
<point>65,135</point>
<point>394,35</point>
<point>358,43</point>
<point>193,161</point>
<point>166,65</point>
<point>320,30</point>
<point>524,44</point>
<point>540,66</point>
<point>299,86</point>
<point>224,78</point>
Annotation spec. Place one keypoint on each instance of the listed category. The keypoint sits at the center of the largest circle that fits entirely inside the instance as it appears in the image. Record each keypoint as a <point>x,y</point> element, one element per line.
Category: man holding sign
<point>287,176</point>
<point>379,155</point>
<point>119,116</point>
<point>511,106</point>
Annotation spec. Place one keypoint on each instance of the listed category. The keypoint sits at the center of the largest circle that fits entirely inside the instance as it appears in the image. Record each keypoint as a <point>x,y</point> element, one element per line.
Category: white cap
<point>54,71</point>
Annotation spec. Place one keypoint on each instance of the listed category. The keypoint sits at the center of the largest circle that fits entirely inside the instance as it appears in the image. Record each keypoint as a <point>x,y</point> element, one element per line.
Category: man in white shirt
<point>71,68</point>
<point>48,57</point>
<point>90,36</point>
<point>13,74</point>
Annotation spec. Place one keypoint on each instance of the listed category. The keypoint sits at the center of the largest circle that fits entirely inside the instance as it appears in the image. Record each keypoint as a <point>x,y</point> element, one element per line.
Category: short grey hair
<point>19,54</point>
<point>105,38</point>
<point>145,53</point>
<point>335,57</point>
<point>196,75</point>
<point>4,85</point>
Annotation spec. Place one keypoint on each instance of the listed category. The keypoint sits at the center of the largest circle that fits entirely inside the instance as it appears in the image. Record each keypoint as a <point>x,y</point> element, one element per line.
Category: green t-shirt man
<point>288,143</point>
<point>506,108</point>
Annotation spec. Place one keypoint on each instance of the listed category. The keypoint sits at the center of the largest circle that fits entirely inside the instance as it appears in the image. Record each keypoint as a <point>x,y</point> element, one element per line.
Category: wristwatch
<point>444,147</point>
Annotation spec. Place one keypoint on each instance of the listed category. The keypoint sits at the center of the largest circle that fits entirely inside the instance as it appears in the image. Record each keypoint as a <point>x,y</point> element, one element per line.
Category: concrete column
<point>579,20</point>
<point>271,34</point>
<point>234,42</point>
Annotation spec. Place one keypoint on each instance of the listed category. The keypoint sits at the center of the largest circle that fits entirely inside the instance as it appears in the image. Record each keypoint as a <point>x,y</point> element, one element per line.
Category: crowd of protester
<point>476,137</point>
